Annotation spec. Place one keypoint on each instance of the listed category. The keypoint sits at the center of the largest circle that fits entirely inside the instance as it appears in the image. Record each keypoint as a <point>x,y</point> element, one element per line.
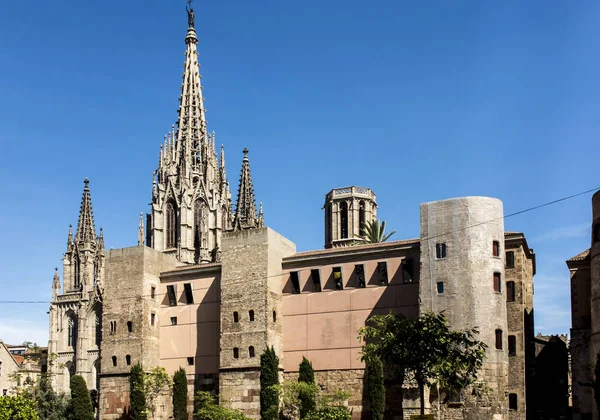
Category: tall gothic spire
<point>245,211</point>
<point>86,233</point>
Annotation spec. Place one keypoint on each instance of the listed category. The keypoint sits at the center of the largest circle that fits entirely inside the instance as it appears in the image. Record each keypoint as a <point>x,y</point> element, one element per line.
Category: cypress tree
<point>307,399</point>
<point>180,395</point>
<point>80,406</point>
<point>269,376</point>
<point>376,388</point>
<point>137,396</point>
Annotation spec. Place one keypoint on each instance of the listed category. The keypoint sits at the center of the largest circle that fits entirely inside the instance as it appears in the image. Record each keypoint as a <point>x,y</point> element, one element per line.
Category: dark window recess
<point>295,277</point>
<point>497,283</point>
<point>236,317</point>
<point>236,353</point>
<point>172,295</point>
<point>512,345</point>
<point>440,287</point>
<point>171,216</point>
<point>315,275</point>
<point>499,339</point>
<point>129,326</point>
<point>189,294</point>
<point>512,402</point>
<point>383,273</point>
<point>510,259</point>
<point>359,269</point>
<point>510,291</point>
<point>496,248</point>
<point>274,316</point>
<point>173,320</point>
<point>190,361</point>
<point>128,360</point>
<point>596,233</point>
<point>153,292</point>
<point>440,250</point>
<point>251,315</point>
<point>114,360</point>
<point>361,218</point>
<point>152,319</point>
<point>407,270</point>
<point>251,351</point>
<point>337,278</point>
<point>454,397</point>
<point>344,220</point>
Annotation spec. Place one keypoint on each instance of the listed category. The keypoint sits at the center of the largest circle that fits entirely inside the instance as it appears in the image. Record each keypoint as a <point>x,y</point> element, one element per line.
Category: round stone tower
<point>462,274</point>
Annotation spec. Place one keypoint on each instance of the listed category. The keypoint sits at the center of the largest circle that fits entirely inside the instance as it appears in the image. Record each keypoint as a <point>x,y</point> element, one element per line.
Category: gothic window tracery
<point>171,225</point>
<point>361,217</point>
<point>77,272</point>
<point>199,228</point>
<point>71,331</point>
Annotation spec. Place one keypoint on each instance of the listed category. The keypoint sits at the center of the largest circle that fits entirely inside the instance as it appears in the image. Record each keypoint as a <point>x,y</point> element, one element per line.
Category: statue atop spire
<point>190,12</point>
<point>245,211</point>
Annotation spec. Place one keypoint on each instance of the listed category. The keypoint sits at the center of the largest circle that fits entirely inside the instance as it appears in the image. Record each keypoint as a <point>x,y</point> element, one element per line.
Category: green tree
<point>307,396</point>
<point>424,348</point>
<point>18,407</point>
<point>80,406</point>
<point>49,405</point>
<point>156,382</point>
<point>269,378</point>
<point>137,396</point>
<point>207,408</point>
<point>376,388</point>
<point>180,395</point>
<point>374,232</point>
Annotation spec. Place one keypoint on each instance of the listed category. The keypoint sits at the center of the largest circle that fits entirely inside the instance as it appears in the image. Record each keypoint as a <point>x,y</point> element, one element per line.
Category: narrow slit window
<point>113,327</point>
<point>510,291</point>
<point>498,339</point>
<point>173,320</point>
<point>497,283</point>
<point>189,294</point>
<point>236,317</point>
<point>337,278</point>
<point>512,402</point>
<point>383,273</point>
<point>510,259</point>
<point>153,292</point>
<point>236,353</point>
<point>407,270</point>
<point>496,248</point>
<point>440,287</point>
<point>251,315</point>
<point>129,326</point>
<point>274,316</point>
<point>114,360</point>
<point>512,345</point>
<point>128,360</point>
<point>315,275</point>
<point>295,277</point>
<point>172,295</point>
<point>440,251</point>
<point>359,270</point>
<point>152,319</point>
<point>251,351</point>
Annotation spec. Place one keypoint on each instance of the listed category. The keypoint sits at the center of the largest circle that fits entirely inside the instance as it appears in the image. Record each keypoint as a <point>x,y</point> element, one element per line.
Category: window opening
<point>512,402</point>
<point>190,361</point>
<point>189,295</point>
<point>173,320</point>
<point>129,326</point>
<point>497,283</point>
<point>407,270</point>
<point>510,291</point>
<point>510,259</point>
<point>361,218</point>
<point>344,220</point>
<point>496,248</point>
<point>337,278</point>
<point>383,273</point>
<point>315,275</point>
<point>128,360</point>
<point>251,315</point>
<point>236,317</point>
<point>295,282</point>
<point>251,351</point>
<point>113,327</point>
<point>274,316</point>
<point>153,292</point>
<point>440,287</point>
<point>171,225</point>
<point>359,270</point>
<point>236,353</point>
<point>152,319</point>
<point>114,360</point>
<point>172,295</point>
<point>512,345</point>
<point>499,339</point>
<point>440,251</point>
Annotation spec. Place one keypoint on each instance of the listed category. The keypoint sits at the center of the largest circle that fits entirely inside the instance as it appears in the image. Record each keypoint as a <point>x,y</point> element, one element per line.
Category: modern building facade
<point>209,286</point>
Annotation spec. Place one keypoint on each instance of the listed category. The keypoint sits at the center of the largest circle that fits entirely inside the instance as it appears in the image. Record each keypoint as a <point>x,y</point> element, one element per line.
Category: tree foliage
<point>374,232</point>
<point>424,348</point>
<point>137,395</point>
<point>207,408</point>
<point>180,395</point>
<point>376,388</point>
<point>269,378</point>
<point>80,405</point>
<point>49,405</point>
<point>155,382</point>
<point>308,395</point>
<point>18,407</point>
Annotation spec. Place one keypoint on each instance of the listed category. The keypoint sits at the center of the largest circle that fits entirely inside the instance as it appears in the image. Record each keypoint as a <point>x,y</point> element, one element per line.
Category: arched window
<point>171,224</point>
<point>98,328</point>
<point>95,272</point>
<point>344,220</point>
<point>77,272</point>
<point>128,360</point>
<point>199,210</point>
<point>129,326</point>
<point>499,339</point>
<point>71,331</point>
<point>114,360</point>
<point>251,351</point>
<point>236,317</point>
<point>251,315</point>
<point>361,217</point>
<point>236,353</point>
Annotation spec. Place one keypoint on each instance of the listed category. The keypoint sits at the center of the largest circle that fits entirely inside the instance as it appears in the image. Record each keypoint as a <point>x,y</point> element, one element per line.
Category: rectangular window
<point>190,361</point>
<point>497,283</point>
<point>407,270</point>
<point>383,273</point>
<point>359,270</point>
<point>510,259</point>
<point>440,287</point>
<point>315,275</point>
<point>440,250</point>
<point>512,345</point>
<point>295,282</point>
<point>173,320</point>
<point>496,248</point>
<point>498,339</point>
<point>512,402</point>
<point>172,295</point>
<point>510,291</point>
<point>337,278</point>
<point>152,319</point>
<point>153,292</point>
<point>189,295</point>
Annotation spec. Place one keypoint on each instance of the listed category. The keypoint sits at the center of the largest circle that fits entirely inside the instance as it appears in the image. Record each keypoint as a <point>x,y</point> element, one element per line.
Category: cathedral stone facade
<point>208,287</point>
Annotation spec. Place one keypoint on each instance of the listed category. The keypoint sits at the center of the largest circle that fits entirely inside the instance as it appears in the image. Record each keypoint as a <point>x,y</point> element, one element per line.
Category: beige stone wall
<point>8,368</point>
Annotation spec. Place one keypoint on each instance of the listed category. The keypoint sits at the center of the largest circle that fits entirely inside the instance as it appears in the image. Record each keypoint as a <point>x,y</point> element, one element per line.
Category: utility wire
<point>549,203</point>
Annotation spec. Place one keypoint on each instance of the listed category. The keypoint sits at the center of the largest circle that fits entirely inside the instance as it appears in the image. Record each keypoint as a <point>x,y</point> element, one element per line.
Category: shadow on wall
<point>208,380</point>
<point>552,375</point>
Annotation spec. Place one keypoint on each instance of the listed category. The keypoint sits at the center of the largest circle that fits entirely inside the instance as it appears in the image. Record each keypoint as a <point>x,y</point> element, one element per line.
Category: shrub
<point>80,406</point>
<point>137,396</point>
<point>50,406</point>
<point>329,413</point>
<point>307,397</point>
<point>376,388</point>
<point>17,408</point>
<point>208,409</point>
<point>180,395</point>
<point>269,378</point>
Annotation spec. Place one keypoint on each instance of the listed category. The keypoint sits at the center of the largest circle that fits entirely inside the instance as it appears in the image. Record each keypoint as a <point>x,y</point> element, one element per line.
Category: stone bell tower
<point>346,211</point>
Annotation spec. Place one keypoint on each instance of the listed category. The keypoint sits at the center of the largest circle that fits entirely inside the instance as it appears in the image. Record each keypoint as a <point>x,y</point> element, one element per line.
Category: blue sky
<point>419,101</point>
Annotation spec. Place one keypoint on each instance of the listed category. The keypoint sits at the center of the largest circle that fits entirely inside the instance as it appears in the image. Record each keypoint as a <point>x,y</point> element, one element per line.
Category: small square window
<point>173,320</point>
<point>189,295</point>
<point>359,269</point>
<point>295,277</point>
<point>190,361</point>
<point>337,278</point>
<point>496,248</point>
<point>172,295</point>
<point>440,287</point>
<point>440,251</point>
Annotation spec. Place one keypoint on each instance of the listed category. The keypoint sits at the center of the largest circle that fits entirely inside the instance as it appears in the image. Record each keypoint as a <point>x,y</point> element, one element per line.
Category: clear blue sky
<point>420,101</point>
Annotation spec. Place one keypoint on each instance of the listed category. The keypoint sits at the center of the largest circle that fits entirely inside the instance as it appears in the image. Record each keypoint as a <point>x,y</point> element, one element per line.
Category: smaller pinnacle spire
<point>101,239</point>
<point>141,230</point>
<point>86,233</point>
<point>245,211</point>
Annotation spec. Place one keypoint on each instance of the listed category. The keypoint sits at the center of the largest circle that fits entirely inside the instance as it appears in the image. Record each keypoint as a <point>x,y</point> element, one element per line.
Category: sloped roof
<point>581,256</point>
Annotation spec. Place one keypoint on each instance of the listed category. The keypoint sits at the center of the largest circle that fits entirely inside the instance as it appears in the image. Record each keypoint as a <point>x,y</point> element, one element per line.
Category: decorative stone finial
<point>190,13</point>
